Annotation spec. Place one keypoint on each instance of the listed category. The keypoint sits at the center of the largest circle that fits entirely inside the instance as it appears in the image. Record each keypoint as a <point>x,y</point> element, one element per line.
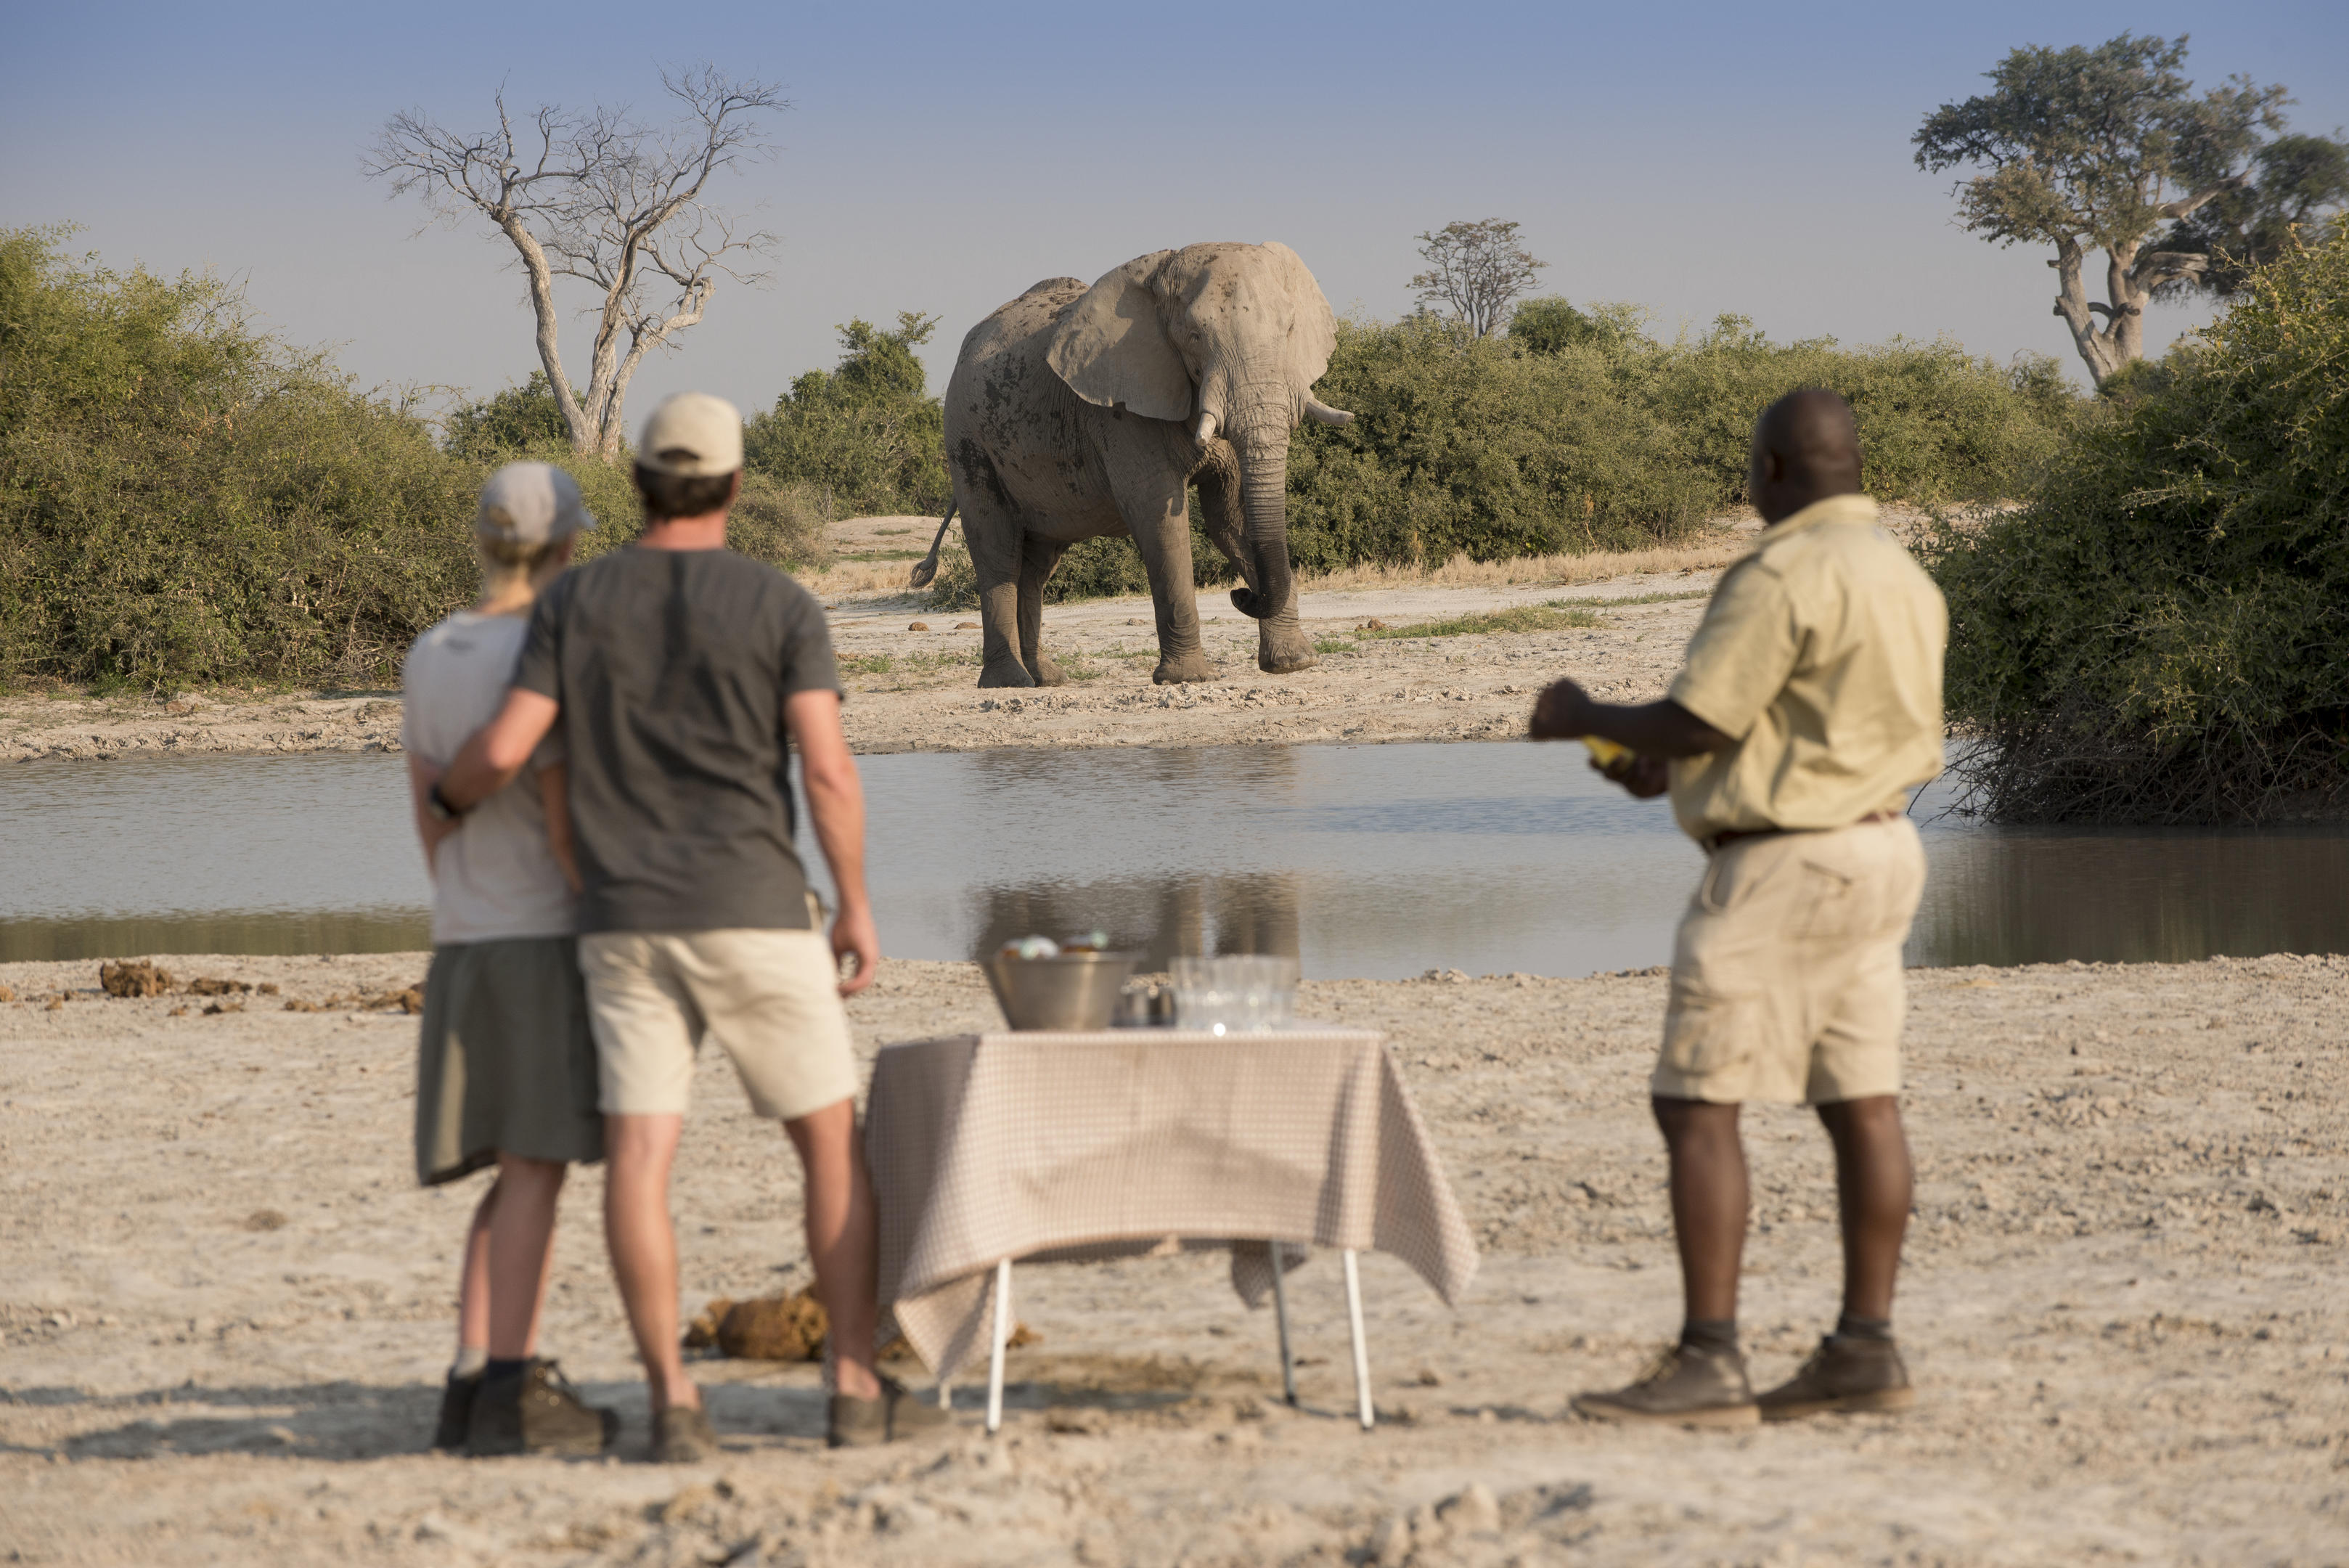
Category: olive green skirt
<point>506,1065</point>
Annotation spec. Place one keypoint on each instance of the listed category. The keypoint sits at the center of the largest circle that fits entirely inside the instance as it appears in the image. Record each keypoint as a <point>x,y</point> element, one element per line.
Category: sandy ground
<point>917,690</point>
<point>224,1308</point>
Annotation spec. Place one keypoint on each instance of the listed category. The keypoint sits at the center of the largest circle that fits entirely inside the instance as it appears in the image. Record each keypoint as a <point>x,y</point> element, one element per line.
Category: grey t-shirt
<point>672,667</point>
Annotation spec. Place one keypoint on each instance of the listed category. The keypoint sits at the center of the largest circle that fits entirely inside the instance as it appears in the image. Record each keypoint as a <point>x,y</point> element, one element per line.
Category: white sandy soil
<point>224,1308</point>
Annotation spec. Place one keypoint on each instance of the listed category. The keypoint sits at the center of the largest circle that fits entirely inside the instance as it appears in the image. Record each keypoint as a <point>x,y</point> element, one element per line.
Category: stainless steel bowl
<point>1073,991</point>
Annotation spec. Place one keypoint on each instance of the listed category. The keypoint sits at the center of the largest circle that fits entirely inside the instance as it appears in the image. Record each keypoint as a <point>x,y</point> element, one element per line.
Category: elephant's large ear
<point>1314,337</point>
<point>1112,347</point>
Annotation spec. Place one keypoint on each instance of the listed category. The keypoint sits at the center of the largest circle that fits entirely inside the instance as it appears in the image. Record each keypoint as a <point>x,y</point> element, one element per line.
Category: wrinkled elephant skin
<point>1076,412</point>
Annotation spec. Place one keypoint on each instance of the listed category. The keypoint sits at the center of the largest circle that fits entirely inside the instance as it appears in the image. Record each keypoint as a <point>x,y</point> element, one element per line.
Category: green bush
<point>2162,634</point>
<point>867,433</point>
<point>1577,432</point>
<point>186,501</point>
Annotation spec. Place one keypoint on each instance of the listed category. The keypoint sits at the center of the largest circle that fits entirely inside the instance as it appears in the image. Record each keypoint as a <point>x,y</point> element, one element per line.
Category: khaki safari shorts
<point>772,999</point>
<point>1786,975</point>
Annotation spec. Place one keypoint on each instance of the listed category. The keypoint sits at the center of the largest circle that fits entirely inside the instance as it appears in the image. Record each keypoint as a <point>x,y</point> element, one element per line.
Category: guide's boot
<point>1686,1388</point>
<point>536,1411</point>
<point>898,1413</point>
<point>1842,1374</point>
<point>456,1412</point>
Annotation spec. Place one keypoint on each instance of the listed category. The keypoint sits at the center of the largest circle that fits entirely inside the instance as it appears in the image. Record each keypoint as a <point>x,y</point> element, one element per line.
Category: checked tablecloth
<point>1070,1147</point>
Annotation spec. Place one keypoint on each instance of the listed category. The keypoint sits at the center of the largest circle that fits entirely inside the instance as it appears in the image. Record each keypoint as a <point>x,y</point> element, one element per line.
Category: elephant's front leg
<point>1282,647</point>
<point>1162,533</point>
<point>1038,556</point>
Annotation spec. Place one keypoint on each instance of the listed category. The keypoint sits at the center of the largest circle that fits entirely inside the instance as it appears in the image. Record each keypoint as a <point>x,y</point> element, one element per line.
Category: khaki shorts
<point>1787,976</point>
<point>772,998</point>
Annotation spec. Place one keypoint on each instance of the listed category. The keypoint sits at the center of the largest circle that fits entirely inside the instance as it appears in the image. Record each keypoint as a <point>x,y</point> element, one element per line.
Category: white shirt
<point>495,877</point>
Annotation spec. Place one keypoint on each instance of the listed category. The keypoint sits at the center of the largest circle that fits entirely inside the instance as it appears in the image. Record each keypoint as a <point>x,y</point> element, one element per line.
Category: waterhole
<point>1371,861</point>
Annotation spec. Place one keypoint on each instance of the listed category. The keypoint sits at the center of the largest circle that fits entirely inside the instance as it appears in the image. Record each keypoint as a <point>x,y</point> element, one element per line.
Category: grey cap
<point>532,503</point>
<point>692,435</point>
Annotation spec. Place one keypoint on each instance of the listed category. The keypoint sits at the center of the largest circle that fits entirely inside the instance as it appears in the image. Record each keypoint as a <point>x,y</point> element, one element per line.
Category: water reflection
<point>1375,861</point>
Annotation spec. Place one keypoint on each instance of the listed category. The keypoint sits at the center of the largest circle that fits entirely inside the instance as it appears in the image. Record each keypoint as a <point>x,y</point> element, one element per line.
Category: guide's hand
<point>853,936</point>
<point>1642,778</point>
<point>1561,713</point>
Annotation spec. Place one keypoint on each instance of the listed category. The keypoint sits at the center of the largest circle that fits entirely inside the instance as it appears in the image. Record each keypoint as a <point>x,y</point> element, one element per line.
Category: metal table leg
<point>1003,1335</point>
<point>1361,1351</point>
<point>1281,1312</point>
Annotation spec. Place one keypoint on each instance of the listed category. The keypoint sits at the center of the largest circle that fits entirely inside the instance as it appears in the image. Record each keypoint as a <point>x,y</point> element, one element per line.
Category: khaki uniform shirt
<point>1821,655</point>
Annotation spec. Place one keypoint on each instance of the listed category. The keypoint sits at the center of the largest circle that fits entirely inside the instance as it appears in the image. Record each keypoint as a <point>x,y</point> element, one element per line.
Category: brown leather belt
<point>1720,840</point>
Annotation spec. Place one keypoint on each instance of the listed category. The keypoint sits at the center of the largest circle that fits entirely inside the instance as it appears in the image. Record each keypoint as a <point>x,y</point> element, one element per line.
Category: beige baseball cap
<point>693,435</point>
<point>532,503</point>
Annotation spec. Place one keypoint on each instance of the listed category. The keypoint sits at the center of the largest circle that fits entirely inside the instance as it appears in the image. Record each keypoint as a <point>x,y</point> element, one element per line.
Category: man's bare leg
<point>842,1237</point>
<point>1708,1203</point>
<point>521,1244</point>
<point>1874,1181</point>
<point>637,1153</point>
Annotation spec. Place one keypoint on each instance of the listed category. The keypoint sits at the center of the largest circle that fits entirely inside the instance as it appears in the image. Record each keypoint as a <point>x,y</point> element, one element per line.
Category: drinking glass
<point>1238,994</point>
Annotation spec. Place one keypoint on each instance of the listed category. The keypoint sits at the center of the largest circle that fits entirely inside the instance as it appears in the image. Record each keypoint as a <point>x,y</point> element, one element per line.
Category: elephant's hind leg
<point>1038,556</point>
<point>993,536</point>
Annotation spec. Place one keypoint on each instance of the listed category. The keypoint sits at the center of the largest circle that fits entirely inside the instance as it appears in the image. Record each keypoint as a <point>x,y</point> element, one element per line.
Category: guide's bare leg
<point>842,1237</point>
<point>638,1151</point>
<point>1701,1381</point>
<point>1873,1183</point>
<point>521,1244</point>
<point>1709,1202</point>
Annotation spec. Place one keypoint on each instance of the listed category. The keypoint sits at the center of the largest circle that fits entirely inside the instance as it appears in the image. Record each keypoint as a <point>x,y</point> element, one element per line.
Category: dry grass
<point>1716,548</point>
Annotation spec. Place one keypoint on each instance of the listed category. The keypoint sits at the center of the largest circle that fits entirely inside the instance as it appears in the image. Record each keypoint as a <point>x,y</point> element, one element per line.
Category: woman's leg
<point>473,1285</point>
<point>520,1246</point>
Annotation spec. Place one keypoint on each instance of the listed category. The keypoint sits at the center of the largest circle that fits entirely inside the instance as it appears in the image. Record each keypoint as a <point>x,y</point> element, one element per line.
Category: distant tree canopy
<point>1476,269</point>
<point>866,430</point>
<point>2299,186</point>
<point>2095,150</point>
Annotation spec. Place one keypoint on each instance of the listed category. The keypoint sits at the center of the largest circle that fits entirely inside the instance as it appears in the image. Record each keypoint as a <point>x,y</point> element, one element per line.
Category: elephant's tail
<point>926,567</point>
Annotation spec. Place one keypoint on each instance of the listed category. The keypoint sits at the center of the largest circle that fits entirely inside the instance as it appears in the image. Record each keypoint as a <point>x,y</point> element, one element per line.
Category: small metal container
<point>1072,990</point>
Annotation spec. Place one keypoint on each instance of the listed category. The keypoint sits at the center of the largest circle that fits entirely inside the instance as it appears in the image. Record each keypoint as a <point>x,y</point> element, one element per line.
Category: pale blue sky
<point>1693,159</point>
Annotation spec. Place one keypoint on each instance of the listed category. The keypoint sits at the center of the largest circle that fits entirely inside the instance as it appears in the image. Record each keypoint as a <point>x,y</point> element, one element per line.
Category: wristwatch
<point>438,805</point>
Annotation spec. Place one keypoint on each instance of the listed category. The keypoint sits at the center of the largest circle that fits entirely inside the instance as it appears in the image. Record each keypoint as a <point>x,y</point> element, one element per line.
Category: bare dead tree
<point>598,198</point>
<point>1478,269</point>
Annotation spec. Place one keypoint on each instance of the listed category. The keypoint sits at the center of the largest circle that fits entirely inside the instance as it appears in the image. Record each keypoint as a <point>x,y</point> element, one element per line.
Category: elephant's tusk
<point>1203,429</point>
<point>1317,410</point>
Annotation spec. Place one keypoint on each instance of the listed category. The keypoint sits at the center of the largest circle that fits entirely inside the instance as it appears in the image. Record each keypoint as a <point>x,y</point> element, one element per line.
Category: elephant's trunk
<point>1264,503</point>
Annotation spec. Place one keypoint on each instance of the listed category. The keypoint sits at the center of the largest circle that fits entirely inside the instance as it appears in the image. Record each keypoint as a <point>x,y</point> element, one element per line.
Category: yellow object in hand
<point>1605,752</point>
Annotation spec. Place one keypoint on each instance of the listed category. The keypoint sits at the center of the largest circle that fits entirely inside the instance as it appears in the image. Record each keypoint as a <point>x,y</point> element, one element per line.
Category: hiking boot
<point>1686,1388</point>
<point>1842,1374</point>
<point>681,1436</point>
<point>537,1412</point>
<point>456,1412</point>
<point>898,1413</point>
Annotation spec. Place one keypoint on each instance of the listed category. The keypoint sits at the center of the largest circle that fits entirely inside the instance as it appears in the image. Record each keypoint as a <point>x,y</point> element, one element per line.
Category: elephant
<point>1077,412</point>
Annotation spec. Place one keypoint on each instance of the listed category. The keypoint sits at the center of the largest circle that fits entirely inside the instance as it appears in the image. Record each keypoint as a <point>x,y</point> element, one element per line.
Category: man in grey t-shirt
<point>678,669</point>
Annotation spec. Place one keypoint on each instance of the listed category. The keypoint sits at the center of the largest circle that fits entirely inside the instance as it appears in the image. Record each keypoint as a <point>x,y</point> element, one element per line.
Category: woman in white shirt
<point>507,1069</point>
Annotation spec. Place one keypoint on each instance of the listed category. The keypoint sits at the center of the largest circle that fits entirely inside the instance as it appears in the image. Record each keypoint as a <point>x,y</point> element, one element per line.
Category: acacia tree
<point>601,199</point>
<point>2299,187</point>
<point>2094,149</point>
<point>1478,269</point>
